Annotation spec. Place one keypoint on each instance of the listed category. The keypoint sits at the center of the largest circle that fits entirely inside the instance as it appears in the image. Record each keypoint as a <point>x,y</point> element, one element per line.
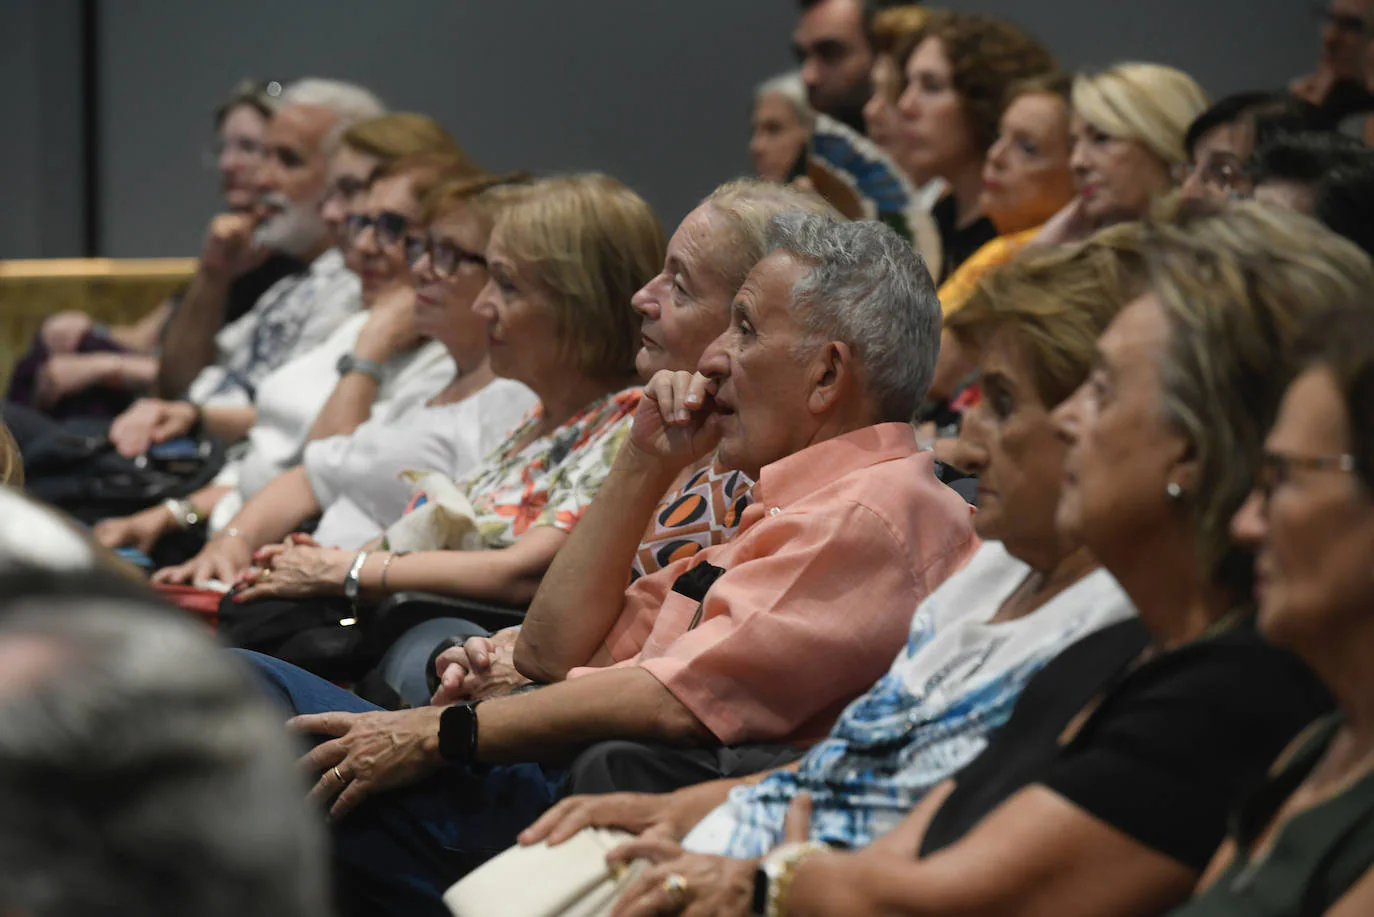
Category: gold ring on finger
<point>338,775</point>
<point>675,884</point>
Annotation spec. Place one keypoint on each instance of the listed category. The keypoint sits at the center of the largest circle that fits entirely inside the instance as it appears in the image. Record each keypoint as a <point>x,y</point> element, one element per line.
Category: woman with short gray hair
<point>780,124</point>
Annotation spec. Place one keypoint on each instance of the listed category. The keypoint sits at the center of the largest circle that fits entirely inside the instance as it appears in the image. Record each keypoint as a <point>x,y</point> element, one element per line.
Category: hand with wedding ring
<point>693,884</point>
<point>368,752</point>
<point>696,884</point>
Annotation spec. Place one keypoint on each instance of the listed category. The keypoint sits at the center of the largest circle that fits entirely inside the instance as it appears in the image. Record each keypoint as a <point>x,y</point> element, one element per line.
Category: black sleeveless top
<point>1315,857</point>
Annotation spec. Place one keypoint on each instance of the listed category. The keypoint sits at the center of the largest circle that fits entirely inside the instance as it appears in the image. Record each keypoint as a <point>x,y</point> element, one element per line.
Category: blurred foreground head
<point>140,771</point>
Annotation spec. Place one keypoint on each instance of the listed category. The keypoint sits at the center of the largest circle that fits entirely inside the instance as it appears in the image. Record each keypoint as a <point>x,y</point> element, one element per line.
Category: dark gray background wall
<point>652,91</point>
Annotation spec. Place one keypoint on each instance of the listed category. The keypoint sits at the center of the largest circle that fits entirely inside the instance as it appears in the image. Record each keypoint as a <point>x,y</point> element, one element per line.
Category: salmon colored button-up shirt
<point>844,539</point>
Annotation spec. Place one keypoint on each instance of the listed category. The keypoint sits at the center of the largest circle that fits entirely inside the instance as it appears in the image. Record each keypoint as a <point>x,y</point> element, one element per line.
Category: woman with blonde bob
<point>563,262</point>
<point>1129,125</point>
<point>1109,787</point>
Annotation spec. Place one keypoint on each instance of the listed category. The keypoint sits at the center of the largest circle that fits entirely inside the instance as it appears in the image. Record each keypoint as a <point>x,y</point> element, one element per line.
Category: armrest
<point>402,611</point>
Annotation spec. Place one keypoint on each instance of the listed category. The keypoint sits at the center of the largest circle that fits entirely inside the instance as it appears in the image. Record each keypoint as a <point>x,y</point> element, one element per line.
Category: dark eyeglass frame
<point>445,258</point>
<point>1324,15</point>
<point>388,227</point>
<point>1276,469</point>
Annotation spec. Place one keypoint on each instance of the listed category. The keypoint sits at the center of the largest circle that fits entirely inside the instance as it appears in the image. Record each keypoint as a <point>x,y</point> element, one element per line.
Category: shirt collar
<point>794,476</point>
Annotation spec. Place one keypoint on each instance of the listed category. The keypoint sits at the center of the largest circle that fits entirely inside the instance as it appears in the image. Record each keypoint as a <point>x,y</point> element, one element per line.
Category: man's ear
<point>832,370</point>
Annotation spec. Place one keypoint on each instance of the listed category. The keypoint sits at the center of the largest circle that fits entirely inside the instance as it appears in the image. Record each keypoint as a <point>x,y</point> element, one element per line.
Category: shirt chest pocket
<point>682,607</point>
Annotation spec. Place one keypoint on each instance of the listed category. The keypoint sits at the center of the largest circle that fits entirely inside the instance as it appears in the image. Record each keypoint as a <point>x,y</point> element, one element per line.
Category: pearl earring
<point>1174,490</point>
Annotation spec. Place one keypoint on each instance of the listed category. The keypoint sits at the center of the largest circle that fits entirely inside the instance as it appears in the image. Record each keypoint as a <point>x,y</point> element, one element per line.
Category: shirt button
<point>775,510</point>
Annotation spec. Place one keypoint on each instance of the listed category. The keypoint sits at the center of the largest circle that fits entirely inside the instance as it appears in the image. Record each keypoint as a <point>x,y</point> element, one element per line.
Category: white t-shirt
<point>295,315</point>
<point>954,683</point>
<point>357,478</point>
<point>291,398</point>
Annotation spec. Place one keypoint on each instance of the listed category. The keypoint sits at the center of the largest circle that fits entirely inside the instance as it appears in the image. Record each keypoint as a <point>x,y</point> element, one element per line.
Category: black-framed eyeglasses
<point>445,257</point>
<point>1349,23</point>
<point>388,227</point>
<point>1276,468</point>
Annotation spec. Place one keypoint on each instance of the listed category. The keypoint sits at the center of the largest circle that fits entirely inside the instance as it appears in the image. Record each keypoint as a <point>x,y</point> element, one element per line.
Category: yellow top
<point>955,291</point>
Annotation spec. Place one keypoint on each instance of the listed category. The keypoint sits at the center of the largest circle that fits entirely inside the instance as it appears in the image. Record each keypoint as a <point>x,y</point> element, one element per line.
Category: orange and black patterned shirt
<point>705,511</point>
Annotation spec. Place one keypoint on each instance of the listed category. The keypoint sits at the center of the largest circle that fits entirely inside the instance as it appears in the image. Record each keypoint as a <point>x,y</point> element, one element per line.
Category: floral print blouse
<point>553,479</point>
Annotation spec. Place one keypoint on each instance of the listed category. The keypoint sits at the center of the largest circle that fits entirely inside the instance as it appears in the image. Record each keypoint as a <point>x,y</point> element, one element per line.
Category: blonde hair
<point>1150,104</point>
<point>11,463</point>
<point>1237,285</point>
<point>391,137</point>
<point>591,243</point>
<point>747,204</point>
<point>1057,302</point>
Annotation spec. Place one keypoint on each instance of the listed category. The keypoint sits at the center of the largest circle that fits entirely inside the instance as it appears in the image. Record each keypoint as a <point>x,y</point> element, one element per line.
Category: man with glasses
<point>79,369</point>
<point>1221,140</point>
<point>218,366</point>
<point>1338,83</point>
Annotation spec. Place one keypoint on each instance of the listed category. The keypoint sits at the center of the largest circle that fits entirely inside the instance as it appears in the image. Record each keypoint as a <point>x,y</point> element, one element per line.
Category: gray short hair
<point>792,90</point>
<point>869,289</point>
<point>349,102</point>
<point>141,772</point>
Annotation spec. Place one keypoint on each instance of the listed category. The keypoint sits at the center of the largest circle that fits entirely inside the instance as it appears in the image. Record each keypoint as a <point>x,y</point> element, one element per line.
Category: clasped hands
<point>298,567</point>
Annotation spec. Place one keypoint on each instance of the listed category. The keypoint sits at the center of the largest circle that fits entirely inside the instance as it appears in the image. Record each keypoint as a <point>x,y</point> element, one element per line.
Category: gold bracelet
<point>785,861</point>
<point>386,565</point>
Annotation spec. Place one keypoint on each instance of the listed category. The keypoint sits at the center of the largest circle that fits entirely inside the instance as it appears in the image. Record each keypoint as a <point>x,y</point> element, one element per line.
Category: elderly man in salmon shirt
<point>830,348</point>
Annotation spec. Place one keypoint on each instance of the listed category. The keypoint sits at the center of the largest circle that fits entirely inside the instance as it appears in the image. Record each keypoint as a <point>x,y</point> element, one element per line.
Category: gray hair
<point>747,206</point>
<point>792,90</point>
<point>349,103</point>
<point>140,770</point>
<point>869,289</point>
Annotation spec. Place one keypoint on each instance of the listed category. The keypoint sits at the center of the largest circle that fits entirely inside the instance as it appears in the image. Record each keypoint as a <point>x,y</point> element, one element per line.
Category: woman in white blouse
<point>353,481</point>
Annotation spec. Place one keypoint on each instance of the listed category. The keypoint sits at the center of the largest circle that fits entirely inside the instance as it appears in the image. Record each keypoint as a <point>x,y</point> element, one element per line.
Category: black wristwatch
<point>458,734</point>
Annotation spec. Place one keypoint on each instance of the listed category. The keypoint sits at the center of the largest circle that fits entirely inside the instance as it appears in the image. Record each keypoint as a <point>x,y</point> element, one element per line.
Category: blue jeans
<point>405,665</point>
<point>398,852</point>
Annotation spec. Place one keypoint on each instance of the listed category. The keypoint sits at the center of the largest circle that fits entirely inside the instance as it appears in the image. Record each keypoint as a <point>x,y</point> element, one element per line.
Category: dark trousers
<point>620,766</point>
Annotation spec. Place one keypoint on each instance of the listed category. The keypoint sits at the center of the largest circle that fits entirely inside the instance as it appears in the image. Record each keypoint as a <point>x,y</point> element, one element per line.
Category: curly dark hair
<point>988,56</point>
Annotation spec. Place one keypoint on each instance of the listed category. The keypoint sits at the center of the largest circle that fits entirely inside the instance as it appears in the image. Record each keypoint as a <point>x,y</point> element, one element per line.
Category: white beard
<point>295,230</point>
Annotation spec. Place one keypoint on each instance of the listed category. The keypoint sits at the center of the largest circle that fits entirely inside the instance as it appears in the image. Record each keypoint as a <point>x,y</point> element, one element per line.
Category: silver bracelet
<point>184,513</point>
<point>351,585</point>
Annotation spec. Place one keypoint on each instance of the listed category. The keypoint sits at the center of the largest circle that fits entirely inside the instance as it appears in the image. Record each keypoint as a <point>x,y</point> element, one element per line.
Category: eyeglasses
<point>1341,22</point>
<point>445,258</point>
<point>388,227</point>
<point>1276,468</point>
<point>1220,175</point>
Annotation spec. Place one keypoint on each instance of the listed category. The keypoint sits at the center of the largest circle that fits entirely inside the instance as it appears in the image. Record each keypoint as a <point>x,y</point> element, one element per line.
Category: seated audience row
<point>761,634</point>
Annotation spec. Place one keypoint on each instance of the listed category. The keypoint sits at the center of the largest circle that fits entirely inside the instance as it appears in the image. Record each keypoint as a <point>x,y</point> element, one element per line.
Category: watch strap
<point>351,584</point>
<point>458,734</point>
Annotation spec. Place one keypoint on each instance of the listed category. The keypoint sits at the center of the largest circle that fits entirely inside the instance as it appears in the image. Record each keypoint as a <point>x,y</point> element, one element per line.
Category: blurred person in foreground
<point>1304,843</point>
<point>156,783</point>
